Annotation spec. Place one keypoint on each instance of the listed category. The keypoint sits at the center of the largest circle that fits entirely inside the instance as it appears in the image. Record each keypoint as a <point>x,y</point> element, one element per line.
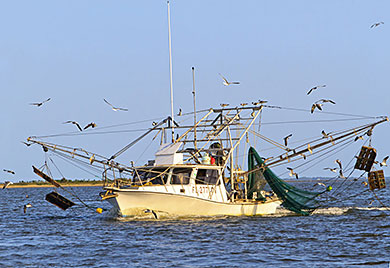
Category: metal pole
<point>170,71</point>
<point>193,93</point>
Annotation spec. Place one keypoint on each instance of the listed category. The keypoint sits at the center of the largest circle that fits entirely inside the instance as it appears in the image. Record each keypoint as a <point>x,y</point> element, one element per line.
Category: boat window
<point>154,176</point>
<point>207,176</point>
<point>181,176</point>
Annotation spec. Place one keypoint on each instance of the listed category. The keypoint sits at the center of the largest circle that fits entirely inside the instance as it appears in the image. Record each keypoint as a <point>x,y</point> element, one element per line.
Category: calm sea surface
<point>352,233</point>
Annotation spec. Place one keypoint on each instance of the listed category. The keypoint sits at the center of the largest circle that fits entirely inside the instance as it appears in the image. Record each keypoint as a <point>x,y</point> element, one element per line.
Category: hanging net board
<point>376,180</point>
<point>294,199</point>
<point>59,200</point>
<point>366,158</point>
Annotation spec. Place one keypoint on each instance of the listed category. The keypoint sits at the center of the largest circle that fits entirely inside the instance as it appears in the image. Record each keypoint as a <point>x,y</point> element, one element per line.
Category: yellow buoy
<point>99,210</point>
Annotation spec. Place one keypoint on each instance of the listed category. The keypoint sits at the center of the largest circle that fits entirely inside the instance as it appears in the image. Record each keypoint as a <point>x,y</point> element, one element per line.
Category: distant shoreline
<point>34,185</point>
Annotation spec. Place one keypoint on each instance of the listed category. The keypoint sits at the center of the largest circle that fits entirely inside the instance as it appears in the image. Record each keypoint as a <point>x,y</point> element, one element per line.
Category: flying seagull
<point>7,183</point>
<point>39,104</point>
<point>320,183</point>
<point>331,169</point>
<point>383,163</point>
<point>25,143</point>
<point>26,206</point>
<point>292,173</point>
<point>327,100</point>
<point>9,171</point>
<point>226,82</point>
<point>338,162</point>
<point>74,123</point>
<point>115,108</point>
<point>92,125</point>
<point>316,105</point>
<point>377,24</point>
<point>341,174</point>
<point>314,88</point>
<point>286,139</point>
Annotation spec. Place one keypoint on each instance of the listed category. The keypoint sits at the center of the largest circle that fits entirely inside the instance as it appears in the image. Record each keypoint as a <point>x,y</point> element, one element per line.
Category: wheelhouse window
<point>207,176</point>
<point>181,176</point>
<point>153,176</point>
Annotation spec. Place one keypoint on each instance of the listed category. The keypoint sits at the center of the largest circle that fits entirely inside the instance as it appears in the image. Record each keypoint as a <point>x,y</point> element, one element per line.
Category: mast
<point>170,70</point>
<point>193,93</point>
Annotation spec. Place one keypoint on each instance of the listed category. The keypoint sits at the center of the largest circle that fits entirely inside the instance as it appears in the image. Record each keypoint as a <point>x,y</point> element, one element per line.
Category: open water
<point>352,233</point>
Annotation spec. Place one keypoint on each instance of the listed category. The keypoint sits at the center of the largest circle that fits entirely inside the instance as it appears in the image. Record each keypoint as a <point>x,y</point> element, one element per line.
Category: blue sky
<point>79,52</point>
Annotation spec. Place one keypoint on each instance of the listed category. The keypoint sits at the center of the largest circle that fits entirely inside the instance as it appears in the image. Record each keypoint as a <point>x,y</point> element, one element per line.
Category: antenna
<point>170,71</point>
<point>193,93</point>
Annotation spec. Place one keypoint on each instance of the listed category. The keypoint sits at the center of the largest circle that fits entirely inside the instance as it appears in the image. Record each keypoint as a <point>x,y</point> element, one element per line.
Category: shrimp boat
<point>198,172</point>
<point>201,170</point>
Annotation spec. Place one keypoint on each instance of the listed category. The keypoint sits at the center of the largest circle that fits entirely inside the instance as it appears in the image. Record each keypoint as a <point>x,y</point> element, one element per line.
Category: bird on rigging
<point>227,83</point>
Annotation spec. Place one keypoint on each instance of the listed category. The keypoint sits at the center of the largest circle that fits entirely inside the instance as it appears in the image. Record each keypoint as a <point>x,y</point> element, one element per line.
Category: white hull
<point>136,203</point>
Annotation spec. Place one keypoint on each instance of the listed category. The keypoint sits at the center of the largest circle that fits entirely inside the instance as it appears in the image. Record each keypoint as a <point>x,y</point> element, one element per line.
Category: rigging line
<point>377,198</point>
<point>72,161</point>
<point>338,191</point>
<point>72,134</point>
<point>323,112</point>
<point>342,144</point>
<point>315,121</point>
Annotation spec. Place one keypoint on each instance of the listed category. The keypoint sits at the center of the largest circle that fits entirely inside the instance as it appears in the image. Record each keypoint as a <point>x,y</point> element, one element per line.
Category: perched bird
<point>286,139</point>
<point>154,123</point>
<point>331,169</point>
<point>359,138</point>
<point>383,163</point>
<point>303,155</point>
<point>25,143</point>
<point>338,162</point>
<point>74,123</point>
<point>7,183</point>
<point>259,102</point>
<point>9,171</point>
<point>26,206</point>
<point>132,163</point>
<point>115,108</point>
<point>316,105</point>
<point>92,159</point>
<point>180,112</point>
<point>309,148</point>
<point>224,105</point>
<point>314,88</point>
<point>39,104</point>
<point>227,83</point>
<point>327,100</point>
<point>92,125</point>
<point>377,24</point>
<point>292,173</point>
<point>324,134</point>
<point>244,104</point>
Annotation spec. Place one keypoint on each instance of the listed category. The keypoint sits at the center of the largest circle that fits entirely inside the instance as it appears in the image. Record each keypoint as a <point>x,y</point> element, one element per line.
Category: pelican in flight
<point>227,83</point>
<point>115,108</point>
